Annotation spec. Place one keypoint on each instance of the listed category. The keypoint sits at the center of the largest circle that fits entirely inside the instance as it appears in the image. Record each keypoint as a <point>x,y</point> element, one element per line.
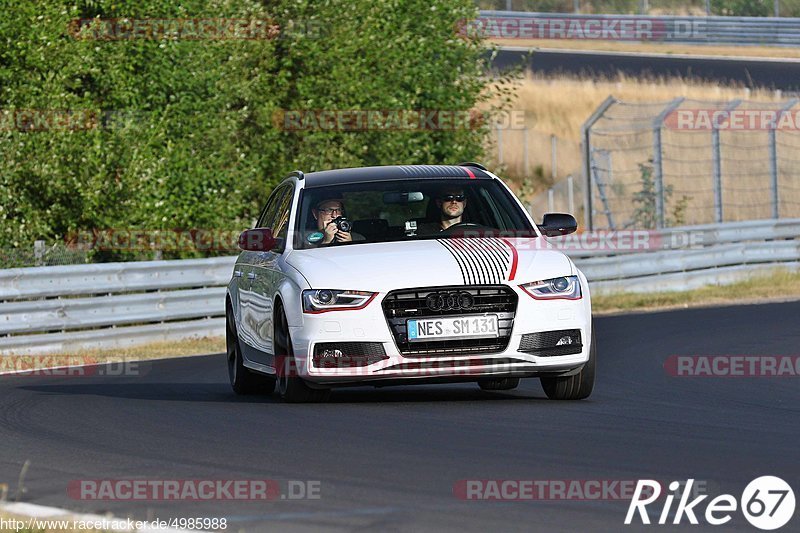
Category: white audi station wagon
<point>417,274</point>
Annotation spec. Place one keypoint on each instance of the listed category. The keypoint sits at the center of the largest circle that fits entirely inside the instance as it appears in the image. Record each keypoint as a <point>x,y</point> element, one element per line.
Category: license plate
<point>452,328</point>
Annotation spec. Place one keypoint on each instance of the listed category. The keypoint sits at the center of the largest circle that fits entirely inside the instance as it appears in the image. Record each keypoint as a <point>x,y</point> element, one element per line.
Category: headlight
<point>324,300</point>
<point>567,288</point>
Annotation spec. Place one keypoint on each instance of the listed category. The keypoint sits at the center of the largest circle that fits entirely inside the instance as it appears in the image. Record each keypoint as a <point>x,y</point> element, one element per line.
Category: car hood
<point>381,267</point>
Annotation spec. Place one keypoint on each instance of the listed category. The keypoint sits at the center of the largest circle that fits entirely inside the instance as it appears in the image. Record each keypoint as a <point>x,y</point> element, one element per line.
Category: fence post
<point>550,201</point>
<point>38,252</point>
<point>586,144</point>
<point>708,8</point>
<point>717,160</point>
<point>508,5</point>
<point>773,159</point>
<point>777,8</point>
<point>554,156</point>
<point>658,170</point>
<point>499,145</point>
<point>570,195</point>
<point>525,157</point>
<point>643,7</point>
<point>576,6</point>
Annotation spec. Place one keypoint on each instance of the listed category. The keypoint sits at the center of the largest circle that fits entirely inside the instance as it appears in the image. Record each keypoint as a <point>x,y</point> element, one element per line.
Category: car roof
<point>392,173</point>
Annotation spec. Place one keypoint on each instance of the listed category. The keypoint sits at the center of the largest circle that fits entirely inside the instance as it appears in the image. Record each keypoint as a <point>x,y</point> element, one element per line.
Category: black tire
<point>498,383</point>
<point>575,387</point>
<point>243,380</point>
<point>292,388</point>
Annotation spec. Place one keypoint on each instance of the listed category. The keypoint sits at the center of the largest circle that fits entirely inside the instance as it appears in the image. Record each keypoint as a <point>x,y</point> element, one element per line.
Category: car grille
<point>400,305</point>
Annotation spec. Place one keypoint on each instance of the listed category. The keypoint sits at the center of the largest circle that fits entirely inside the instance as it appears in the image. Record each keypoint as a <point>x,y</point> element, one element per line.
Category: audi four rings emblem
<point>448,301</point>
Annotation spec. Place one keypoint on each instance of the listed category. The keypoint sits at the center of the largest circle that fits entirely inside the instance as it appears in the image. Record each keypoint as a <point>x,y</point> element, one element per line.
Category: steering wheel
<point>464,225</point>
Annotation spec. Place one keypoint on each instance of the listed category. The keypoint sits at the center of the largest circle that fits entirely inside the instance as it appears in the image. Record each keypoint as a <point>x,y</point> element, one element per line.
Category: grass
<point>778,285</point>
<point>143,352</point>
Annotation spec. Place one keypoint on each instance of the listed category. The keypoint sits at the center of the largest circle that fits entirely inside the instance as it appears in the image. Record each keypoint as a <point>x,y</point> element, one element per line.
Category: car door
<point>251,306</point>
<point>265,278</point>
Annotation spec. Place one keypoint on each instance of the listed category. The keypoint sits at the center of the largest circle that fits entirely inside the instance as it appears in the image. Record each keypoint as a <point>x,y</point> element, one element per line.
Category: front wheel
<point>575,387</point>
<point>243,381</point>
<point>292,388</point>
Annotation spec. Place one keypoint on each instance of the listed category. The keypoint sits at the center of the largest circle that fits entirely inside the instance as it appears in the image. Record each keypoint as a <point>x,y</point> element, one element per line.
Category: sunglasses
<point>452,197</point>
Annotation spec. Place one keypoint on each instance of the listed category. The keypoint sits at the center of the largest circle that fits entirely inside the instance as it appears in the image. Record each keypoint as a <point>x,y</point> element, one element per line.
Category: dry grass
<point>781,285</point>
<point>155,350</point>
<point>653,48</point>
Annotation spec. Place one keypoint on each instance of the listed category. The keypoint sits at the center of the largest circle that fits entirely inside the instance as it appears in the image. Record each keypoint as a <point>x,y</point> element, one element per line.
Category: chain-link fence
<point>686,161</point>
<point>754,8</point>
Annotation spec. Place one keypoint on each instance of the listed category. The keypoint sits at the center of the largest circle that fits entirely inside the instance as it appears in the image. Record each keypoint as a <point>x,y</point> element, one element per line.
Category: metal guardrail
<point>66,308</point>
<point>724,253</point>
<point>770,31</point>
<point>103,306</point>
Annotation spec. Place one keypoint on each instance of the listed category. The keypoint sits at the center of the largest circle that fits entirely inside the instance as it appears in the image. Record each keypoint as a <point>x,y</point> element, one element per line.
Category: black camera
<point>342,224</point>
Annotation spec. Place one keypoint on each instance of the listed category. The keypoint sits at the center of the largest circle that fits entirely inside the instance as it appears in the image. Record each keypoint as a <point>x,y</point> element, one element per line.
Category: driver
<point>451,202</point>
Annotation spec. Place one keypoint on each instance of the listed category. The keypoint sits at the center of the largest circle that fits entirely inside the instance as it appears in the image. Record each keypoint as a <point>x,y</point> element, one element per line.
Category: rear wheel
<point>291,387</point>
<point>498,384</point>
<point>243,380</point>
<point>575,387</point>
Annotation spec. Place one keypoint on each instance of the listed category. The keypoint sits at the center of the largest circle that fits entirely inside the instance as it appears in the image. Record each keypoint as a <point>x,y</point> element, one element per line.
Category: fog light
<point>328,353</point>
<point>564,340</point>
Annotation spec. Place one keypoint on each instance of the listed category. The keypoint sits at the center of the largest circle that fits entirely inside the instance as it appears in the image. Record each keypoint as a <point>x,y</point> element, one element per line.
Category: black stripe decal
<point>480,258</point>
<point>501,251</point>
<point>493,260</point>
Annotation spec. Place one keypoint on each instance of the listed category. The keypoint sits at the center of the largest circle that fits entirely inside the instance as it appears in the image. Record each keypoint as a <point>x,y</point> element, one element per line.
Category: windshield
<point>407,210</point>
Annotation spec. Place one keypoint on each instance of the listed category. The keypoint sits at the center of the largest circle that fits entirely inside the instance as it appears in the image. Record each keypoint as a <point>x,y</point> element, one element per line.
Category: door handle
<point>251,275</point>
<point>237,273</point>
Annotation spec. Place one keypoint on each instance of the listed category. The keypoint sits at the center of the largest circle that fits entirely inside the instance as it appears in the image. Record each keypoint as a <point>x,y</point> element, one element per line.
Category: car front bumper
<point>369,325</point>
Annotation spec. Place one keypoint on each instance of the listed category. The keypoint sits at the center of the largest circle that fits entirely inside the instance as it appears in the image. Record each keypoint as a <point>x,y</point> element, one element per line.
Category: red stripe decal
<point>469,173</point>
<point>514,260</point>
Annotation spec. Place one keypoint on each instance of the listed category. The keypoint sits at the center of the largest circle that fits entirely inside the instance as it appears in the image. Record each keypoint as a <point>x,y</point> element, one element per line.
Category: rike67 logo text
<point>767,502</point>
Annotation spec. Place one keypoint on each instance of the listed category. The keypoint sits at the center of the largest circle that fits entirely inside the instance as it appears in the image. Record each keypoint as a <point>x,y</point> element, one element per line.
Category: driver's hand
<point>330,232</point>
<point>342,236</point>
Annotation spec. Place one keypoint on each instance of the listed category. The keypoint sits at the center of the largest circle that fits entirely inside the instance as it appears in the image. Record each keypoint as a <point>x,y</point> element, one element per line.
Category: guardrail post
<point>586,142</point>
<point>717,159</point>
<point>773,159</point>
<point>658,169</point>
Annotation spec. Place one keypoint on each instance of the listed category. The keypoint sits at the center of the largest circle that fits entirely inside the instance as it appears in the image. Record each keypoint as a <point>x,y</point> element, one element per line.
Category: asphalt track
<point>387,459</point>
<point>781,74</point>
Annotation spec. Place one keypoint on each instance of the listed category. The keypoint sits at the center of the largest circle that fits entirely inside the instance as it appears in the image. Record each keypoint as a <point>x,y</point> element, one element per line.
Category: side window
<point>270,212</point>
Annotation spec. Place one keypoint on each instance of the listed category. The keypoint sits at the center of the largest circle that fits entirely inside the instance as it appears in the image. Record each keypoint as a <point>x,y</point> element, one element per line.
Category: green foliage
<point>183,133</point>
<point>743,8</point>
<point>645,215</point>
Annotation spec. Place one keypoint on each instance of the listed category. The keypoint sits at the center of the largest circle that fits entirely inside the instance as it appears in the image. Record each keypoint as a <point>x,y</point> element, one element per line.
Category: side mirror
<point>555,224</point>
<point>257,240</point>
